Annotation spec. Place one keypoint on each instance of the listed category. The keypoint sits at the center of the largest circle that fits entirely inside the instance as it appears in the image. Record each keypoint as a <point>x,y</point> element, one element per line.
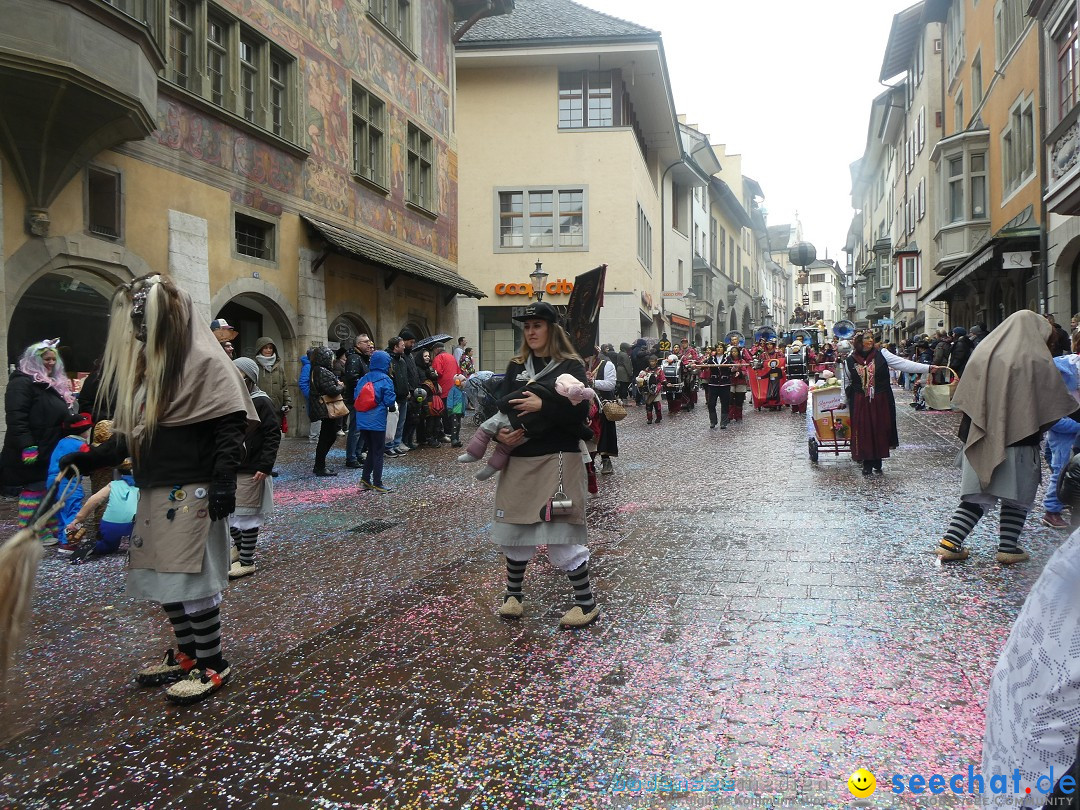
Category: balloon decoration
<point>793,392</point>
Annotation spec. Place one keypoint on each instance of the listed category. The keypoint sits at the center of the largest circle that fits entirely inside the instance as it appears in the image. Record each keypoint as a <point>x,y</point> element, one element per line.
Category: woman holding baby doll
<point>540,496</point>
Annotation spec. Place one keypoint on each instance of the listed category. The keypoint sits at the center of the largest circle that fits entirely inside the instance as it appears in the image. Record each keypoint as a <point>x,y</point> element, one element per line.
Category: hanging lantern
<point>802,254</point>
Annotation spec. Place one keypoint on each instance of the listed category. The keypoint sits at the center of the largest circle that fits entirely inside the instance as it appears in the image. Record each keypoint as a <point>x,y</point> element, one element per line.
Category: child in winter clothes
<point>76,439</point>
<point>120,498</point>
<point>651,382</point>
<point>1060,440</point>
<point>455,406</point>
<point>372,406</point>
<point>566,385</point>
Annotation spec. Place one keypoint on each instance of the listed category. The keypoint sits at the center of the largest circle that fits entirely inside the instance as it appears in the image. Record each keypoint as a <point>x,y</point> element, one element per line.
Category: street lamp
<point>539,281</point>
<point>691,299</point>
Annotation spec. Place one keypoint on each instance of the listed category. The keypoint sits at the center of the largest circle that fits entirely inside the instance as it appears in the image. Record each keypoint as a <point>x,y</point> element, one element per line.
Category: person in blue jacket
<point>371,418</point>
<point>1060,439</point>
<point>303,382</point>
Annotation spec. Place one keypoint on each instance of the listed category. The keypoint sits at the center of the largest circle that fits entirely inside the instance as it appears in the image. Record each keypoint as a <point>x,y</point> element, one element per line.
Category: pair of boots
<point>584,611</point>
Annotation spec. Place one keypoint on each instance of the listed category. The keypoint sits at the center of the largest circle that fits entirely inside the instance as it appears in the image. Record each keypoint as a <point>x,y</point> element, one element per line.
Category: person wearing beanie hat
<point>76,430</point>
<point>961,351</point>
<point>254,482</point>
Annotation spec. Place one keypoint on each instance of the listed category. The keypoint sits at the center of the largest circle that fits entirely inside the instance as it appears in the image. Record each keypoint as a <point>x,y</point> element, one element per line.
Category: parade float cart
<point>829,422</point>
<point>759,381</point>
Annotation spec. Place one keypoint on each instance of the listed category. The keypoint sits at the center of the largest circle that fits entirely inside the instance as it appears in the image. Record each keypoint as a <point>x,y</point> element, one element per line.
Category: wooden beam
<point>315,265</point>
<point>450,296</point>
<point>391,277</point>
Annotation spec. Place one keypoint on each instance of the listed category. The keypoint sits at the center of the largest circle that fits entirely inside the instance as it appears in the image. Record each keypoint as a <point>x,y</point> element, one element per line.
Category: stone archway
<point>253,305</point>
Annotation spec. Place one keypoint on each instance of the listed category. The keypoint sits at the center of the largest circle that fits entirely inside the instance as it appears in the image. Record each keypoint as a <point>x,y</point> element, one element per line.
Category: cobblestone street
<point>764,622</point>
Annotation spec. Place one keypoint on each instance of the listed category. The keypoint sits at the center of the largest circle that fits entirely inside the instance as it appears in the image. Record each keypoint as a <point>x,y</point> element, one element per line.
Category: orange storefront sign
<point>558,287</point>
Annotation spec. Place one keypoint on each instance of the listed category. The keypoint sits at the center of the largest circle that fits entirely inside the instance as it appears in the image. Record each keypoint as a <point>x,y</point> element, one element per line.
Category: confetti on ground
<point>766,623</point>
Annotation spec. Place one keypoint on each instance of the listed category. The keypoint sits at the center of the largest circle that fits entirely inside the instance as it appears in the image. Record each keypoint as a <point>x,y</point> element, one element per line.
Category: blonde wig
<point>559,347</point>
<point>139,377</point>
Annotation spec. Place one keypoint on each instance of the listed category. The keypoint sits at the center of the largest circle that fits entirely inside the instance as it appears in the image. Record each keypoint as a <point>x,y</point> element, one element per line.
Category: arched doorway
<point>70,304</point>
<point>417,330</point>
<point>345,328</point>
<point>255,316</point>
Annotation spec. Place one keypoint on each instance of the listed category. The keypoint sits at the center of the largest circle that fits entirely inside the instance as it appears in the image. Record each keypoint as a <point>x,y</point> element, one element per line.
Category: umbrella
<point>430,341</point>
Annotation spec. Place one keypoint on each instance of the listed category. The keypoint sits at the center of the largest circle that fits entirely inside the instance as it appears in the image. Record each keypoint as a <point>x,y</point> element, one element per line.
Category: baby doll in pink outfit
<point>566,385</point>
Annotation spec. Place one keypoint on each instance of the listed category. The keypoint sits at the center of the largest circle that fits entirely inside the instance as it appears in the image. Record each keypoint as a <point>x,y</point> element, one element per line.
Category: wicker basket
<point>614,412</point>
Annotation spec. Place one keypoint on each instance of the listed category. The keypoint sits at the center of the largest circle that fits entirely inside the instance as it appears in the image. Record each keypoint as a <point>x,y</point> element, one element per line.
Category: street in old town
<point>766,623</point>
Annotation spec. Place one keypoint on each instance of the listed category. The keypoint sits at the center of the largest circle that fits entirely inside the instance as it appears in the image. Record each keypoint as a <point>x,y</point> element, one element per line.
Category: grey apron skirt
<point>1015,480</point>
<point>524,489</point>
<point>177,553</point>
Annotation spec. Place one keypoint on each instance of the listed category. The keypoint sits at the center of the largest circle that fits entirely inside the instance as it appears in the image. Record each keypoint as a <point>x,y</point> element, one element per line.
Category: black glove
<point>221,499</point>
<point>1068,490</point>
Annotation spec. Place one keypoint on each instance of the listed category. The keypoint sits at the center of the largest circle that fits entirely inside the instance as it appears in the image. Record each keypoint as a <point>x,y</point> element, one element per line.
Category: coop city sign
<point>558,287</point>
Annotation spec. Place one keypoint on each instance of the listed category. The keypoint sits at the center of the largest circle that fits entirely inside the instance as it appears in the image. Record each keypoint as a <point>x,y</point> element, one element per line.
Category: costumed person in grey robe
<point>180,411</point>
<point>1010,393</point>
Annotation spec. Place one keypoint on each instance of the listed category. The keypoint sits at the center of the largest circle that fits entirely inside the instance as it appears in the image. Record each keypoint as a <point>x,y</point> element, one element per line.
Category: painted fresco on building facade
<point>328,62</point>
<point>211,141</point>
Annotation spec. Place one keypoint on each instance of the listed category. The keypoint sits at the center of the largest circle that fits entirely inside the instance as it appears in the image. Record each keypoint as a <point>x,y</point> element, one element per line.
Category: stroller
<point>480,391</point>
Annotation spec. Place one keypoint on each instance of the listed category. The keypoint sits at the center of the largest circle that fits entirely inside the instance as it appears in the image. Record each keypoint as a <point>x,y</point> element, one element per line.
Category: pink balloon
<point>793,392</point>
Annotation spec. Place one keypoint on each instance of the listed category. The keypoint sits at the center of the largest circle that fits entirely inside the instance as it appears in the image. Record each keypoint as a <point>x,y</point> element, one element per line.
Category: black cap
<point>539,311</point>
<point>405,334</point>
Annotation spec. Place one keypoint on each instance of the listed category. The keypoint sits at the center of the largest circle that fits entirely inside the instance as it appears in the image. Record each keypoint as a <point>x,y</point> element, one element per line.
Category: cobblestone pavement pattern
<point>762,619</point>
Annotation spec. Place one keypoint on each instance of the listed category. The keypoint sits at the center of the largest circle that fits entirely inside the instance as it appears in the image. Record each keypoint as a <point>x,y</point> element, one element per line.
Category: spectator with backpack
<point>374,397</point>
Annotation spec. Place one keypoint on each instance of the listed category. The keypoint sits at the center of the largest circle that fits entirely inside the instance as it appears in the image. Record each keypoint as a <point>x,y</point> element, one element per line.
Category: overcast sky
<point>786,83</point>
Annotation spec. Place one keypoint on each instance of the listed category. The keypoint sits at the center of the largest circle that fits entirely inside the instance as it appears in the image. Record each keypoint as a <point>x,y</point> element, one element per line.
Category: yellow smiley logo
<point>862,783</point>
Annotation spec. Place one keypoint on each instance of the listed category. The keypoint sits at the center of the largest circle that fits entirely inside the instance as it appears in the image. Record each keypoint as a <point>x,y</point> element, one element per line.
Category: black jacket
<point>323,382</point>
<point>203,451</point>
<point>261,441</point>
<point>557,426</point>
<point>961,351</point>
<point>35,418</point>
<point>355,367</point>
<point>414,372</point>
<point>399,371</point>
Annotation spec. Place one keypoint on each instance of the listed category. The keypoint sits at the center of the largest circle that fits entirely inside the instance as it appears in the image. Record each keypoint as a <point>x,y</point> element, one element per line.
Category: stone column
<point>311,316</point>
<point>189,259</point>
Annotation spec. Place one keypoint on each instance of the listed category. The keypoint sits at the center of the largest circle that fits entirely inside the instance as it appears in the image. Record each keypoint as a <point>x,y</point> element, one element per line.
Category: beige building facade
<point>571,156</point>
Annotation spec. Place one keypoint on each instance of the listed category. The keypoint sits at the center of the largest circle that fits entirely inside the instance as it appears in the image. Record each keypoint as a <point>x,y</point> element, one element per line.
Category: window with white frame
<point>977,170</point>
<point>954,189</point>
<point>213,55</point>
<point>1008,26</point>
<point>919,64</point>
<point>920,131</point>
<point>921,196</point>
<point>1067,49</point>
<point>420,182</point>
<point>954,50</point>
<point>815,297</point>
<point>885,275</point>
<point>959,122</point>
<point>396,17</point>
<point>909,273</point>
<point>547,219</point>
<point>909,152</point>
<point>644,239</point>
<point>698,244</point>
<point>369,136</point>
<point>1018,146</point>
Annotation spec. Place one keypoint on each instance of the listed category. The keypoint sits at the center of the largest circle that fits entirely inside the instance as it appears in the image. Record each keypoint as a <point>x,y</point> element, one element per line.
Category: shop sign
<point>558,287</point>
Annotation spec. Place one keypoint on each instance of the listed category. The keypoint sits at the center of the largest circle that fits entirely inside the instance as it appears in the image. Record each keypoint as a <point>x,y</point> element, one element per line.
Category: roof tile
<point>538,20</point>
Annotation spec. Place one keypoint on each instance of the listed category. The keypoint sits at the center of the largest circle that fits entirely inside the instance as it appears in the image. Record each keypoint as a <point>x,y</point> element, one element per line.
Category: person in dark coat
<point>961,350</point>
<point>38,400</point>
<point>399,372</point>
<point>323,383</point>
<point>409,440</point>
